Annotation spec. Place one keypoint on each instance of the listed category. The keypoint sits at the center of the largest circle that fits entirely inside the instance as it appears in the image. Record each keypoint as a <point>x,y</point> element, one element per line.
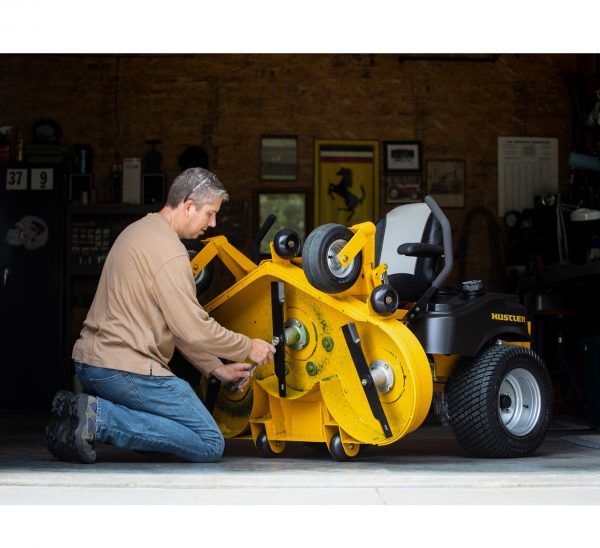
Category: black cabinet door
<point>31,287</point>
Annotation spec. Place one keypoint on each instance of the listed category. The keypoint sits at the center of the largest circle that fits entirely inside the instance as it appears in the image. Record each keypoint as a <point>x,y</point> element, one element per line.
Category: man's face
<point>203,217</point>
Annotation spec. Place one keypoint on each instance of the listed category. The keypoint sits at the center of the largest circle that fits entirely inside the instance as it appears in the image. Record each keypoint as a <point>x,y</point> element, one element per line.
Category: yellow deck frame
<point>324,394</point>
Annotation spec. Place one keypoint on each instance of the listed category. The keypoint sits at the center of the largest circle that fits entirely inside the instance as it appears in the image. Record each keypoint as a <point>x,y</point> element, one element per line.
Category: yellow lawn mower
<point>368,342</point>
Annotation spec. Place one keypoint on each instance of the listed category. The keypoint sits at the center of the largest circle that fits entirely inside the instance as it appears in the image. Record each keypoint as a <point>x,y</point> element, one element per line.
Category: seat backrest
<point>409,223</point>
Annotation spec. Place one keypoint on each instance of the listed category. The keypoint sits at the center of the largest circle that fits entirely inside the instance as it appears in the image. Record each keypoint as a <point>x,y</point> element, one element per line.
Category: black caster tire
<point>500,402</point>
<point>384,300</point>
<point>263,447</point>
<point>319,259</point>
<point>286,243</point>
<point>336,450</point>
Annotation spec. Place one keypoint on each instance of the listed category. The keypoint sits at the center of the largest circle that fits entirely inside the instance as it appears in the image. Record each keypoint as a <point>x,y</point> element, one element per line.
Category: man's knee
<point>212,446</point>
<point>219,448</point>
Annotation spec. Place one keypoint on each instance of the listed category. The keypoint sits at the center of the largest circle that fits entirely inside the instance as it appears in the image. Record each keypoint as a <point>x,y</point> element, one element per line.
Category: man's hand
<point>233,373</point>
<point>261,352</point>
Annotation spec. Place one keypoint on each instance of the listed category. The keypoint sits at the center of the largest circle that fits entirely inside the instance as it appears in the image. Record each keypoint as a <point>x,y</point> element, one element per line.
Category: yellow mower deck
<point>324,395</point>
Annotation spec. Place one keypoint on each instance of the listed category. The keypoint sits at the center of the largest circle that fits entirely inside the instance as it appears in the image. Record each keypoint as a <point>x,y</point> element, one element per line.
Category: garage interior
<point>95,121</point>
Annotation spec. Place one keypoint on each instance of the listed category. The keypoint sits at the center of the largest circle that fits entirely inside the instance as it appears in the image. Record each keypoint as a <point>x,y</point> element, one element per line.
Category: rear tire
<point>500,402</point>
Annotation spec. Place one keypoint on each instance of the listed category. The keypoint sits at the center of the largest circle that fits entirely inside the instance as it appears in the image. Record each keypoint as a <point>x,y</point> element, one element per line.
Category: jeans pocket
<point>117,388</point>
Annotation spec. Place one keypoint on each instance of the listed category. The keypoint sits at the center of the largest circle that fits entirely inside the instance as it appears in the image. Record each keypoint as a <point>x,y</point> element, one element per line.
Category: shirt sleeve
<point>200,338</point>
<point>205,363</point>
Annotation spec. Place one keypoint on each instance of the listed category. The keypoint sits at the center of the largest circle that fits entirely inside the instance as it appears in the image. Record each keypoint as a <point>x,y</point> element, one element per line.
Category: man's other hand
<point>261,352</point>
<point>233,373</point>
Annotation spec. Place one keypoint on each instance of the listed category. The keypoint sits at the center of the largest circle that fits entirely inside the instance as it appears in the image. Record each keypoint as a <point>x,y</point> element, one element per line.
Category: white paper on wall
<point>527,167</point>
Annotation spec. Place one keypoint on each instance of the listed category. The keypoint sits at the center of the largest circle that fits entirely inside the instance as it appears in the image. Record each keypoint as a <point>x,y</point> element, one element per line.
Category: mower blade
<point>364,374</point>
<point>277,300</point>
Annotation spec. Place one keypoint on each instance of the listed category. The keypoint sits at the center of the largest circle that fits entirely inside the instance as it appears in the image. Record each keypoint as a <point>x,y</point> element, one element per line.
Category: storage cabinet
<point>32,211</point>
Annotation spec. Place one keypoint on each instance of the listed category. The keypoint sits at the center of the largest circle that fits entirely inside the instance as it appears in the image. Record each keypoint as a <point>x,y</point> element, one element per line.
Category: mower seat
<point>409,239</point>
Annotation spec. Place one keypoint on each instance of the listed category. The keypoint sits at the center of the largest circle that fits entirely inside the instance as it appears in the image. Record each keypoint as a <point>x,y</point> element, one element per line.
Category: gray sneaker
<point>81,431</point>
<point>71,433</point>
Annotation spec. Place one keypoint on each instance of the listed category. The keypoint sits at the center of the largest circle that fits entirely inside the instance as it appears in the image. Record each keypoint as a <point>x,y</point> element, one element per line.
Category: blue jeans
<point>150,413</point>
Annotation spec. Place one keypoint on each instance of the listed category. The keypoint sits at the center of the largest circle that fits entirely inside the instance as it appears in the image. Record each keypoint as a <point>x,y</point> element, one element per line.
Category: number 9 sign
<point>42,179</point>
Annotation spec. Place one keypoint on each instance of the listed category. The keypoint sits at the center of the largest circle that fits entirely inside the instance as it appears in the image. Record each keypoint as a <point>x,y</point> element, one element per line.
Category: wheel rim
<point>519,402</point>
<point>333,263</point>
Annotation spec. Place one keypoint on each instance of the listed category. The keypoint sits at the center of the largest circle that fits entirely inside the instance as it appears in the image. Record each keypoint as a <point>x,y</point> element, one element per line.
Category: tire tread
<point>472,407</point>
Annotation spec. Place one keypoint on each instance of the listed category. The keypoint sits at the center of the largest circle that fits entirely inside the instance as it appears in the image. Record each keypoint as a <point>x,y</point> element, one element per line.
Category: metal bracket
<point>364,374</point>
<point>277,300</point>
<point>420,305</point>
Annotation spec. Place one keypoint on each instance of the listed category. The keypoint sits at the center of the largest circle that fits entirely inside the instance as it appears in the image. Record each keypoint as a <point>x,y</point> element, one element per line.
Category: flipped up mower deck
<point>367,343</point>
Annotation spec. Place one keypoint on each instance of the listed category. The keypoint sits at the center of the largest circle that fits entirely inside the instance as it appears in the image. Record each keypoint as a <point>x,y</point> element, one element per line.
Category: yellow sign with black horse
<point>346,182</point>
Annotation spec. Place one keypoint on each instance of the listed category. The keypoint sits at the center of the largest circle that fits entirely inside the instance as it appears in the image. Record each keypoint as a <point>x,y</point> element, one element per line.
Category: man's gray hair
<point>198,184</point>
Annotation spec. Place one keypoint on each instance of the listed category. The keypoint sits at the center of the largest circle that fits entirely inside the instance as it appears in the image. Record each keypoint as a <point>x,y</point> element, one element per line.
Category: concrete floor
<point>427,467</point>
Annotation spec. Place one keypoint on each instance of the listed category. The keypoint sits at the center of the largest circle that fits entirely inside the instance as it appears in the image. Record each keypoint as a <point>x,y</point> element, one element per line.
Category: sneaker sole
<point>54,438</point>
<point>81,450</point>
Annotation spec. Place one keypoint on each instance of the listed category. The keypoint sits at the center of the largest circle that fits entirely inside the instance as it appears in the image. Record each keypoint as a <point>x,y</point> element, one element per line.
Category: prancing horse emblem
<point>352,201</point>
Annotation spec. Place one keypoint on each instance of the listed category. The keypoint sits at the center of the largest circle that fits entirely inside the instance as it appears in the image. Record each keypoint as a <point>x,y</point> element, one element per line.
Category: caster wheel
<point>264,447</point>
<point>286,243</point>
<point>320,259</point>
<point>338,452</point>
<point>384,300</point>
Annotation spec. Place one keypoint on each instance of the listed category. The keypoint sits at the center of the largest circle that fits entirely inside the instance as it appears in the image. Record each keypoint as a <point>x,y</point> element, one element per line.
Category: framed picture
<point>290,208</point>
<point>403,188</point>
<point>446,182</point>
<point>278,157</point>
<point>346,181</point>
<point>402,155</point>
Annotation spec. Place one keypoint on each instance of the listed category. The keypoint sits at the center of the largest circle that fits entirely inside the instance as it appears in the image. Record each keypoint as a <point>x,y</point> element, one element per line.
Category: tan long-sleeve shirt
<point>145,306</point>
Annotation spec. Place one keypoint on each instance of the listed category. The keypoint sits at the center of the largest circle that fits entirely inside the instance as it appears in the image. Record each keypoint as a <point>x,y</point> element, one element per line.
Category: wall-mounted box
<point>132,180</point>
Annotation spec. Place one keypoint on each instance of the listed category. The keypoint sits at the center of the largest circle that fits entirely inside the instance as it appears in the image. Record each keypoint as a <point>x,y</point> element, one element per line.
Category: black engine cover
<point>462,325</point>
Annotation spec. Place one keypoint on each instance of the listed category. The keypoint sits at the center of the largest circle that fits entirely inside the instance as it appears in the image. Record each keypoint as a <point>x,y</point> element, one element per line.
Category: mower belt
<point>277,300</point>
<point>364,374</point>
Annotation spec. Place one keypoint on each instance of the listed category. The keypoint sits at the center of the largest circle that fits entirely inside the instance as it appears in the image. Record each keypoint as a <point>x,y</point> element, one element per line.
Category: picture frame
<point>403,156</point>
<point>290,206</point>
<point>346,181</point>
<point>403,188</point>
<point>278,157</point>
<point>446,182</point>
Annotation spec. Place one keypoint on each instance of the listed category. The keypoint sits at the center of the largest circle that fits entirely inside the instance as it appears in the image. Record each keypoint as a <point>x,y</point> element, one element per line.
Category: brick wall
<point>457,108</point>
